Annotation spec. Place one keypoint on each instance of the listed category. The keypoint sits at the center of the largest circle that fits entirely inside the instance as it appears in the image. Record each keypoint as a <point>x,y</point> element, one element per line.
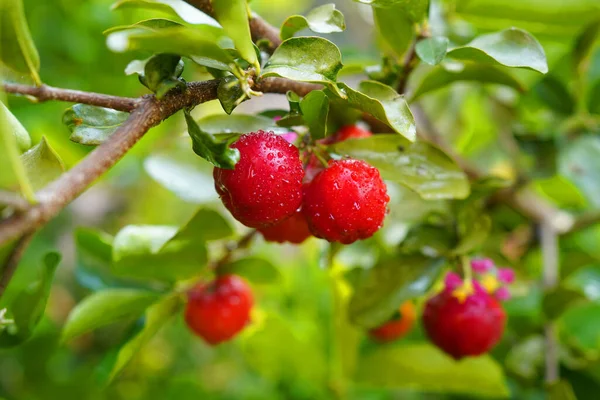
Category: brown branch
<point>410,62</point>
<point>10,266</point>
<point>13,200</point>
<point>44,93</point>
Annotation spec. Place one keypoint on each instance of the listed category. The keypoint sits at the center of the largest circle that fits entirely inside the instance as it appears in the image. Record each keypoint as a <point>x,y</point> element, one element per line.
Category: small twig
<point>232,248</point>
<point>12,261</point>
<point>550,257</point>
<point>410,62</point>
<point>44,93</point>
<point>13,200</point>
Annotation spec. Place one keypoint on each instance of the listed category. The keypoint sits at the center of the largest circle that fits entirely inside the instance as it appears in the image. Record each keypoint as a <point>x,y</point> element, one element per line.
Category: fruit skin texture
<point>266,185</point>
<point>217,311</point>
<point>396,327</point>
<point>345,202</point>
<point>348,132</point>
<point>293,230</point>
<point>468,328</point>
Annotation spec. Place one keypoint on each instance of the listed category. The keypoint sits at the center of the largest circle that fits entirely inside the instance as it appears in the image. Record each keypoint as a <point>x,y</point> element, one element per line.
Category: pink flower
<point>506,275</point>
<point>452,281</point>
<point>502,293</point>
<point>291,137</point>
<point>482,265</point>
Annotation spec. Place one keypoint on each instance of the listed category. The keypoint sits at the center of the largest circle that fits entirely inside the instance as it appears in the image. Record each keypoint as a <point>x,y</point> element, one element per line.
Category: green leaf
<point>585,43</point>
<point>418,166</point>
<point>440,77</point>
<point>511,47</point>
<point>161,73</point>
<point>432,50</point>
<point>211,149</point>
<point>561,390</point>
<point>560,299</point>
<point>106,307</point>
<point>428,240</point>
<point>91,125</point>
<point>323,19</point>
<point>233,16</point>
<point>315,108</point>
<point>306,59</point>
<point>18,130</point>
<point>579,161</point>
<point>164,252</point>
<point>175,8</point>
<point>526,358</point>
<point>14,174</point>
<point>473,230</point>
<point>580,327</point>
<point>230,93</point>
<point>555,95</point>
<point>199,43</point>
<point>254,269</point>
<point>294,117</point>
<point>383,103</point>
<point>237,124</point>
<point>423,367</point>
<point>382,289</point>
<point>42,164</point>
<point>416,10</point>
<point>27,307</point>
<point>395,29</point>
<point>156,317</point>
<point>561,191</point>
<point>18,51</point>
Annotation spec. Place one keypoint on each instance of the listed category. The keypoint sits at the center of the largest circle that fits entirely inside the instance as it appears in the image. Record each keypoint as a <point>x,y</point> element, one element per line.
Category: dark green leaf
<point>511,47</point>
<point>315,108</point>
<point>418,166</point>
<point>421,366</point>
<point>579,162</point>
<point>230,93</point>
<point>440,77</point>
<point>106,307</point>
<point>18,51</point>
<point>428,240</point>
<point>395,30</point>
<point>383,103</point>
<point>91,125</point>
<point>211,149</point>
<point>558,300</point>
<point>156,317</point>
<point>473,233</point>
<point>294,117</point>
<point>554,93</point>
<point>233,16</point>
<point>585,43</point>
<point>181,9</point>
<point>323,19</point>
<point>432,50</point>
<point>306,59</point>
<point>42,164</point>
<point>383,288</point>
<point>27,307</point>
<point>414,9</point>
<point>161,73</point>
<point>254,269</point>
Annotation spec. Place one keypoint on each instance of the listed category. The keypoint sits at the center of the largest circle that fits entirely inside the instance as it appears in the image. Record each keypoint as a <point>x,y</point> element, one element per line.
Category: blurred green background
<point>296,347</point>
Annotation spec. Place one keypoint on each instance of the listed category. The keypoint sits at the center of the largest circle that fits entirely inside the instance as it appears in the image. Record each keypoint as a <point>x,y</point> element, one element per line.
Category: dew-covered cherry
<point>293,230</point>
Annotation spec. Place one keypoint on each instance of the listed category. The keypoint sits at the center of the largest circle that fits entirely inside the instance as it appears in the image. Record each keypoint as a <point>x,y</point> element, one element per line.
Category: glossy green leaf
<point>580,327</point>
<point>323,19</point>
<point>12,138</point>
<point>177,8</point>
<point>440,77</point>
<point>18,51</point>
<point>91,125</point>
<point>511,47</point>
<point>18,130</point>
<point>422,366</point>
<point>418,166</point>
<point>27,307</point>
<point>210,148</point>
<point>233,16</point>
<point>200,43</point>
<point>165,252</point>
<point>157,316</point>
<point>315,109</point>
<point>383,103</point>
<point>42,164</point>
<point>579,161</point>
<point>106,307</point>
<point>416,10</point>
<point>254,269</point>
<point>382,289</point>
<point>306,59</point>
<point>432,50</point>
<point>395,30</point>
<point>559,299</point>
<point>230,93</point>
<point>161,73</point>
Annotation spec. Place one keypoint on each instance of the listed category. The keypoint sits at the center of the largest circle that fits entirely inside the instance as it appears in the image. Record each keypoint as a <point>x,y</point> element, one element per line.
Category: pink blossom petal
<point>482,265</point>
<point>452,281</point>
<point>506,275</point>
<point>291,137</point>
<point>502,294</point>
<point>276,118</point>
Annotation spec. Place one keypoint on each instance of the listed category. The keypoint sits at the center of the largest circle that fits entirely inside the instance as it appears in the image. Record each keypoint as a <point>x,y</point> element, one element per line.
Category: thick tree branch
<point>13,200</point>
<point>44,93</point>
<point>10,266</point>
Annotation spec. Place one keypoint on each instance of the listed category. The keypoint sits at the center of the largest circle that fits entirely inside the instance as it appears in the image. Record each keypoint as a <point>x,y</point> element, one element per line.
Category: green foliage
<point>432,50</point>
<point>323,19</point>
<point>254,269</point>
<point>161,73</point>
<point>315,109</point>
<point>395,29</point>
<point>212,149</point>
<point>42,164</point>
<point>90,125</point>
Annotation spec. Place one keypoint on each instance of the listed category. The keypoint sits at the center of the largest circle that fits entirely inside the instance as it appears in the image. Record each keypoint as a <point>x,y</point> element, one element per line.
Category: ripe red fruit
<point>398,326</point>
<point>345,202</point>
<point>348,132</point>
<point>293,230</point>
<point>217,311</point>
<point>464,328</point>
<point>266,185</point>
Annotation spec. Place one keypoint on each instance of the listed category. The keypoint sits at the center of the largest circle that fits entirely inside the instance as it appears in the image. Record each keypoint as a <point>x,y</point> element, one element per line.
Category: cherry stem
<point>467,270</point>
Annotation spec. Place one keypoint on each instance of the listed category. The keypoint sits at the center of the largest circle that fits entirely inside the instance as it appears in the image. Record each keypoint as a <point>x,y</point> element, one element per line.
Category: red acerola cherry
<point>294,230</point>
<point>464,327</point>
<point>217,311</point>
<point>398,326</point>
<point>348,132</point>
<point>345,202</point>
<point>266,185</point>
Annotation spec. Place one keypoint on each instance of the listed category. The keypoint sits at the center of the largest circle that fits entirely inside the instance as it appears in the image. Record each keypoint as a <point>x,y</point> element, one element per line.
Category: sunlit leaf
<point>233,16</point>
<point>12,137</point>
<point>323,19</point>
<point>178,8</point>
<point>91,125</point>
<point>18,130</point>
<point>432,50</point>
<point>395,29</point>
<point>415,9</point>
